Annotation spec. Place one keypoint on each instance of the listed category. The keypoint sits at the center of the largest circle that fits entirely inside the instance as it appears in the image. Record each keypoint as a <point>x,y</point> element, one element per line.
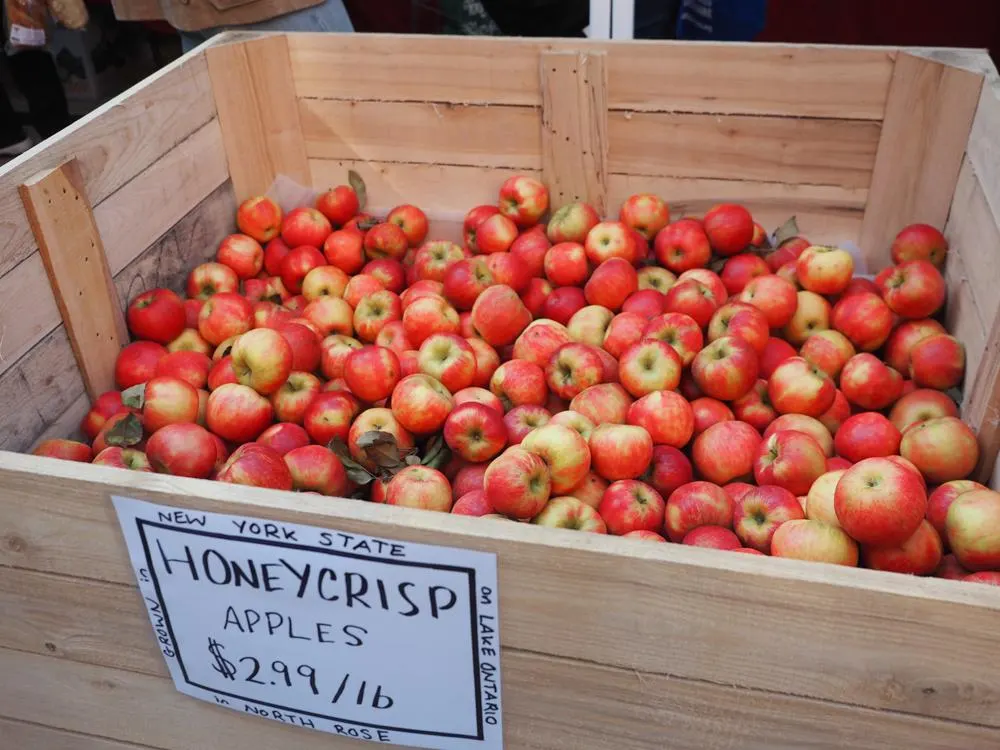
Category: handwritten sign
<point>362,637</point>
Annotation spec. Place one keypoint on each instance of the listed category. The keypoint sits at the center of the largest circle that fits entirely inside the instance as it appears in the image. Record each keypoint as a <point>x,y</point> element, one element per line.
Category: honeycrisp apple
<point>696,504</point>
<point>517,483</point>
<point>789,459</point>
<point>824,270</point>
<point>565,453</point>
<point>568,512</point>
<point>666,416</point>
<point>726,451</point>
<point>815,541</point>
<point>419,487</point>
<point>682,245</point>
<point>973,529</point>
<point>620,451</point>
<point>879,502</point>
<point>759,513</point>
<point>573,368</point>
<point>630,505</point>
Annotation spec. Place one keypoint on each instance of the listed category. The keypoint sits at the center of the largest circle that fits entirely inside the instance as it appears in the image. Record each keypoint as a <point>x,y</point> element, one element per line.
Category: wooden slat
<point>255,97</point>
<point>422,132</point>
<point>113,144</point>
<point>772,149</point>
<point>129,221</point>
<point>575,127</point>
<point>20,734</point>
<point>105,625</point>
<point>41,393</point>
<point>927,123</point>
<point>699,614</point>
<point>784,80</point>
<point>73,253</point>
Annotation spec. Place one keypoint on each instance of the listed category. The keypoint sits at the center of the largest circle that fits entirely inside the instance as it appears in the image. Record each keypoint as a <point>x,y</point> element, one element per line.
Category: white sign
<point>367,638</point>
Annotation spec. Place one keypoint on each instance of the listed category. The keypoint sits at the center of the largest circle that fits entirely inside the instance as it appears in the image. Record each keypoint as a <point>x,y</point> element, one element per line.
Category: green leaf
<point>785,232</point>
<point>436,454</point>
<point>126,433</point>
<point>355,471</point>
<point>358,186</point>
<point>134,397</point>
<point>367,224</point>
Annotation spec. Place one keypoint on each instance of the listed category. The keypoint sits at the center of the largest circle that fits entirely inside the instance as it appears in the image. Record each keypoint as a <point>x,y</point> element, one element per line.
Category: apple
<point>694,299</point>
<point>429,315</point>
<point>943,449</point>
<point>648,303</point>
<point>385,240</point>
<point>940,500</point>
<point>345,250</point>
<point>499,315</point>
<point>477,395</point>
<point>189,341</point>
<point>864,318</point>
<point>824,270</point>
<point>630,505</point>
<point>774,297</point>
<point>420,487</point>
<point>473,219</point>
<point>879,502</point>
<point>696,504</point>
<point>606,403</point>
<point>919,242</point>
<point>157,315</point>
<point>610,239</point>
<point>611,283</point>
<point>665,415</point>
<point>523,419</point>
<point>712,537</point>
<point>814,541</point>
<point>565,453</point>
<point>725,452</point>
<point>449,358</point>
<point>283,437</point>
<point>433,259</point>
<point>292,399</point>
<point>798,387</point>
<point>262,359</point>
<point>563,304</point>
<point>620,451</point>
<point>530,249</point>
<point>655,279</point>
<point>256,465</point>
<point>421,403</point>
<point>937,361</point>
<point>361,286</point>
<point>339,205</point>
<point>465,280</point>
<point>467,479</point>
<point>487,361</point>
<point>393,336</point>
<point>668,470</point>
<point>211,278</point>
<point>297,264</point>
<point>754,407</point>
<point>681,331</point>
<point>775,352</point>
<point>726,369</point>
<point>274,254</point>
<point>812,315</point>
<point>103,408</point>
<point>624,330</point>
<point>191,367</point>
<point>472,503</point>
<point>867,435</point>
<point>495,235</point>
<point>130,458</point>
<point>572,223</point>
<point>222,372</point>
<point>517,483</point>
<point>315,468</point>
<point>759,513</point>
<point>729,228</point>
<point>475,432</point>
<point>989,577</point>
<point>306,346</point>
<point>682,245</point>
<point>223,316</point>
<point>329,415</point>
<point>905,336</point>
<point>411,220</point>
<point>540,341</point>
<point>168,400</point>
<point>869,383</point>
<point>237,412</point>
<point>972,527</point>
<point>649,366</point>
<point>837,414</point>
<point>801,423</point>
<point>829,350</point>
<point>789,459</point>
<point>524,200</point>
<point>324,280</point>
<point>376,419</point>
<point>372,372</point>
<point>914,289</point>
<point>568,512</point>
<point>649,536</point>
<point>572,368</point>
<point>787,251</point>
<point>305,226</point>
<point>241,253</point>
<point>645,213</point>
<point>950,569</point>
<point>820,500</point>
<point>708,411</point>
<point>329,315</point>
<point>334,350</point>
<point>518,382</point>
<point>740,269</point>
<point>741,320</point>
<point>68,450</point>
<point>535,294</point>
<point>259,217</point>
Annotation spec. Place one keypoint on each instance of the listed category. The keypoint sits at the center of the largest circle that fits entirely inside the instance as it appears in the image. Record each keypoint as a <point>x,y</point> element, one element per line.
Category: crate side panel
<point>21,734</point>
<point>708,616</point>
<point>113,144</point>
<point>758,79</point>
<point>86,627</point>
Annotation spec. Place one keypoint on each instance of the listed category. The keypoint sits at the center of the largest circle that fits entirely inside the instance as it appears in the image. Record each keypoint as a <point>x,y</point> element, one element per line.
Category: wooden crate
<point>607,644</point>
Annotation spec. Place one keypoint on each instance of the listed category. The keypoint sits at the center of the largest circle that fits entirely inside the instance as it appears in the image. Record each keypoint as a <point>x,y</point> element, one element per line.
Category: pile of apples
<point>692,381</point>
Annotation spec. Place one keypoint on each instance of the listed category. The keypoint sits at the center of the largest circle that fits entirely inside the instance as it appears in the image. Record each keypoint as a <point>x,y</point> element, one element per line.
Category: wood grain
<point>255,97</point>
<point>112,144</point>
<point>575,127</point>
<point>927,123</point>
<point>20,734</point>
<point>984,147</point>
<point>548,702</point>
<point>757,79</point>
<point>699,614</point>
<point>73,253</point>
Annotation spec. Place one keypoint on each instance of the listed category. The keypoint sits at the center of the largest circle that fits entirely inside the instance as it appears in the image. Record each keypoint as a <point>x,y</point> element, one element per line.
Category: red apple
<point>940,500</point>
<point>868,383</point>
<point>315,468</point>
<point>495,235</point>
<point>130,458</point>
<point>565,453</point>
<point>682,245</point>
<point>475,432</point>
<point>694,299</point>
<point>879,502</point>
<point>665,415</point>
<point>274,254</point>
<point>646,214</point>
<point>68,450</point>
<point>385,240</point>
<point>429,315</point>
<point>259,217</point>
<point>499,315</point>
<point>524,200</point>
<point>973,529</point>
<point>421,403</point>
<point>630,505</point>
<point>211,278</point>
<point>339,205</point>
<point>223,316</point>
<point>256,465</point>
<point>669,469</point>
<point>649,366</point>
<point>867,435</point>
<point>620,451</point>
<point>420,487</point>
<point>919,242</point>
<point>824,269</point>
<point>681,331</point>
<point>708,411</point>
<point>473,219</point>
<point>774,297</point>
<point>238,413</point>
<point>262,359</point>
<point>789,459</point>
<point>568,512</point>
<point>712,537</point>
<point>726,369</point>
<point>943,449</point>
<point>828,350</point>
<point>283,437</point>
<point>412,221</point>
<point>655,279</point>
<point>798,387</point>
<point>914,289</point>
<point>572,368</point>
<point>729,228</point>
<point>522,420</point>
<point>755,408</point>
<point>814,541</point>
<point>760,512</point>
<point>517,483</point>
<point>697,504</point>
<point>937,361</point>
<point>606,403</point>
<point>563,304</point>
<point>725,452</point>
<point>621,332</point>
<point>775,352</point>
<point>864,318</point>
<point>157,315</point>
<point>518,382</point>
<point>292,399</point>
<point>376,419</point>
<point>305,226</point>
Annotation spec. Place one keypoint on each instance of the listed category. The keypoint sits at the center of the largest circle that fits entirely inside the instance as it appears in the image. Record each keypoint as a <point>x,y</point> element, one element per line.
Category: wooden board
<point>758,79</point>
<point>21,734</point>
<point>698,614</point>
<point>73,253</point>
<point>574,147</point>
<point>113,144</point>
<point>105,625</point>
<point>927,123</point>
<point>129,220</point>
<point>255,97</point>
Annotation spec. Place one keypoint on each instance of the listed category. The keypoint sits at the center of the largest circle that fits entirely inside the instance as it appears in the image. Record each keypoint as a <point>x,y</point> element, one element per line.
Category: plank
<point>129,220</point>
<point>699,615</point>
<point>35,736</point>
<point>422,132</point>
<point>575,127</point>
<point>758,79</point>
<point>964,318</point>
<point>105,626</point>
<point>113,144</point>
<point>773,149</point>
<point>255,97</point>
<point>927,123</point>
<point>73,253</point>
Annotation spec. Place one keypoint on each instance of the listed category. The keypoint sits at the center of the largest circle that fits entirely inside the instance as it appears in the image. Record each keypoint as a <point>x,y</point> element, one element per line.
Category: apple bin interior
<point>606,643</point>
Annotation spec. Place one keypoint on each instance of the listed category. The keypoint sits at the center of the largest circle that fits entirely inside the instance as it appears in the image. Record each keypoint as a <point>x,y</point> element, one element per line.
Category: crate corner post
<point>62,220</point>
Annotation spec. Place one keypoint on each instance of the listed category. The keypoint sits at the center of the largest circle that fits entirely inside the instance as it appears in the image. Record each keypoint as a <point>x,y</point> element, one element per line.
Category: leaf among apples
<point>786,231</point>
<point>381,450</point>
<point>134,397</point>
<point>358,186</point>
<point>126,433</point>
